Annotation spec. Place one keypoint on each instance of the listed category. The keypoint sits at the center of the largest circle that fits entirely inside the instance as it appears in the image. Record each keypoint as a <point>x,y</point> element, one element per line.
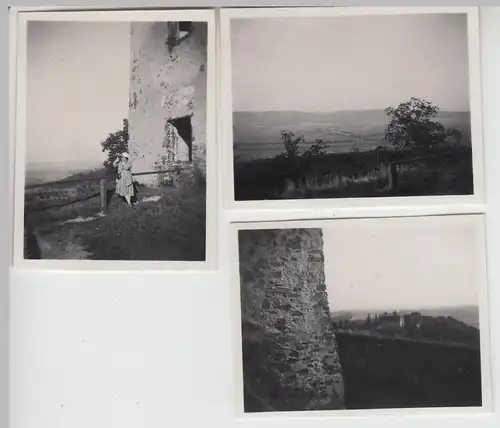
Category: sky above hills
<point>77,89</point>
<point>349,63</point>
<point>403,263</point>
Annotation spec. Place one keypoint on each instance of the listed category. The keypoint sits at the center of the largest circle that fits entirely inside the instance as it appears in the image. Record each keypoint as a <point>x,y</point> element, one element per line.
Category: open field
<point>167,223</point>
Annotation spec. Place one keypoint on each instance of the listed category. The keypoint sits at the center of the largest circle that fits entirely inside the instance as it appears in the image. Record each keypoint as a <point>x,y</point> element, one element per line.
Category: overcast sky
<point>349,63</point>
<point>77,93</point>
<point>403,263</point>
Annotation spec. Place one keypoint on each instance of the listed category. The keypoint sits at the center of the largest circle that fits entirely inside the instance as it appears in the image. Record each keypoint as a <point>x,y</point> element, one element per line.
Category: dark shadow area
<point>32,250</point>
<point>395,373</point>
<point>356,174</point>
<point>185,130</point>
<point>177,32</point>
<point>109,195</point>
<point>378,373</point>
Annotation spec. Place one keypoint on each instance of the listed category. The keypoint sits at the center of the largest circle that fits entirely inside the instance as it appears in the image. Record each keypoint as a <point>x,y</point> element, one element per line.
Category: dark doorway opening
<point>177,32</point>
<point>185,131</point>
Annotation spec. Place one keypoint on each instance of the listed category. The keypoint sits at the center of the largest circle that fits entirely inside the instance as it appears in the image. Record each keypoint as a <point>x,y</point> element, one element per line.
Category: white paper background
<point>142,349</point>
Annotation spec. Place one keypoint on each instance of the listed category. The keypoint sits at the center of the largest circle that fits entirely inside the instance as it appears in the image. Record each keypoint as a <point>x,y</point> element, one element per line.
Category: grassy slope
<point>395,373</point>
<point>171,228</point>
<point>341,175</point>
<point>362,174</point>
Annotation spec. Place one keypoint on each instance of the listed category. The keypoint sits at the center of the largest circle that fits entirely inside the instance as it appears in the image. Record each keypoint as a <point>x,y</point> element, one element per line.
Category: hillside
<point>466,314</point>
<point>66,222</point>
<point>439,327</point>
<point>382,372</point>
<point>397,373</point>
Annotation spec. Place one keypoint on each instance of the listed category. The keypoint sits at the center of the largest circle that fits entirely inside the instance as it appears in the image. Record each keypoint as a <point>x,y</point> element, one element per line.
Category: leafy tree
<point>115,144</point>
<point>413,125</point>
<point>317,149</point>
<point>292,146</point>
<point>291,143</point>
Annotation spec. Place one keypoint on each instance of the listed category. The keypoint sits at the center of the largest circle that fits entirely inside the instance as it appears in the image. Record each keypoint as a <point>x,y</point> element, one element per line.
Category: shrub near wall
<point>290,357</point>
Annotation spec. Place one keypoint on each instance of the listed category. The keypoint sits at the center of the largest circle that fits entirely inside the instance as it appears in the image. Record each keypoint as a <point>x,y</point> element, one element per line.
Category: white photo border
<point>259,419</point>
<point>18,140</point>
<point>350,207</point>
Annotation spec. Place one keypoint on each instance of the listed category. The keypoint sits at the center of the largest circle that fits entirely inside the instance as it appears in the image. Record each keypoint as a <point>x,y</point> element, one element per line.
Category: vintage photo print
<point>361,314</point>
<point>357,106</point>
<point>114,149</point>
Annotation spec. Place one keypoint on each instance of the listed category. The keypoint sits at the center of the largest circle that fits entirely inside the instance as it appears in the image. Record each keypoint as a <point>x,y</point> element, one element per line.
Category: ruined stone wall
<point>290,356</point>
<point>166,85</point>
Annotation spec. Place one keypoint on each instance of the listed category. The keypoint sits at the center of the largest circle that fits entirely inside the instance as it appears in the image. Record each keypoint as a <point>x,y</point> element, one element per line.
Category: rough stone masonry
<point>290,354</point>
<point>167,102</point>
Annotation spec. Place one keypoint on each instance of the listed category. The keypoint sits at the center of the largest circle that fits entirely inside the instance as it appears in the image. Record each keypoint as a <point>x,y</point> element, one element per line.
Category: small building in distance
<point>391,321</point>
<point>413,320</point>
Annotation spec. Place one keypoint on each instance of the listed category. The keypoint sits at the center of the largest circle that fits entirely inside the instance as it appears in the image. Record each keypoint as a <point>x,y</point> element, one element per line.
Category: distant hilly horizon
<point>265,126</point>
<point>41,172</point>
<point>305,113</point>
<point>327,113</point>
<point>467,314</point>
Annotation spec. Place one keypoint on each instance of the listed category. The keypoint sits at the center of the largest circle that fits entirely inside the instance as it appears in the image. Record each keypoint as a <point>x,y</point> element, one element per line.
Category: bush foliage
<point>115,144</point>
<point>412,125</point>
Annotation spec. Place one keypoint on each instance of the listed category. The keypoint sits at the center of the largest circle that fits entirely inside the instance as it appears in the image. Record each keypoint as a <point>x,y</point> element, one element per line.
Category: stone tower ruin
<point>167,102</point>
<point>290,354</point>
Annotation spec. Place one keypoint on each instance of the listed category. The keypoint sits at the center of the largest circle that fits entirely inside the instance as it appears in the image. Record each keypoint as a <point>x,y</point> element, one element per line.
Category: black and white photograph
<point>362,314</point>
<point>117,136</point>
<point>353,106</point>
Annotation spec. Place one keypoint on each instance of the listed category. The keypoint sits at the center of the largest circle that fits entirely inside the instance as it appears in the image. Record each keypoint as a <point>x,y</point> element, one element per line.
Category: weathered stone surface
<point>164,86</point>
<point>290,355</point>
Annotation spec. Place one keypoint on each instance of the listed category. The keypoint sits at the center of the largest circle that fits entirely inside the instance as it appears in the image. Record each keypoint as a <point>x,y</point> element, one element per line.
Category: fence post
<point>393,174</point>
<point>104,194</point>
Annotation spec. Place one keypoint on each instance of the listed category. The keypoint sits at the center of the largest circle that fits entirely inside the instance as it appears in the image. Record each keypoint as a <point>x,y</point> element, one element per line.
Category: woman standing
<point>124,180</point>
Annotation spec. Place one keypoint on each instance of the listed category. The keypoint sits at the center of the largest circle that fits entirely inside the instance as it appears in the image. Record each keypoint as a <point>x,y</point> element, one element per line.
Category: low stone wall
<point>290,357</point>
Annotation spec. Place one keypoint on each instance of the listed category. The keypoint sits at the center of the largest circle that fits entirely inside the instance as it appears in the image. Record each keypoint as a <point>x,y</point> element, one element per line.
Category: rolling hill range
<point>260,131</point>
<point>43,172</point>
